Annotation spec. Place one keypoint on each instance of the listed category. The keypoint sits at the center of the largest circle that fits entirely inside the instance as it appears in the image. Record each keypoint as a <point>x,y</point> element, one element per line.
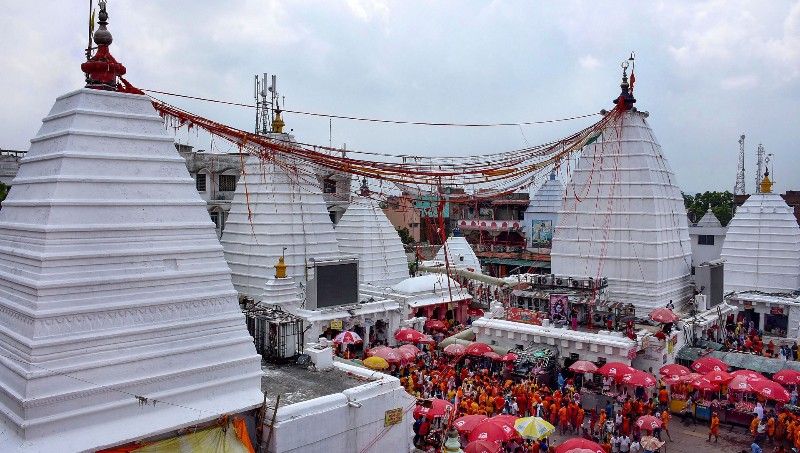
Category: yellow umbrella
<point>376,363</point>
<point>533,427</point>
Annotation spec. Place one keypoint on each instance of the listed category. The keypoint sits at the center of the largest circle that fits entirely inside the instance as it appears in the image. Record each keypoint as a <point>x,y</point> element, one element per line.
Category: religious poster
<point>559,304</point>
<point>336,324</point>
<point>541,233</point>
<point>522,315</point>
<point>393,417</point>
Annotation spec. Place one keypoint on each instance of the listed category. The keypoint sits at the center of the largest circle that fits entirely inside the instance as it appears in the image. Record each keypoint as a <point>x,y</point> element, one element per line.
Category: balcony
<point>492,226</point>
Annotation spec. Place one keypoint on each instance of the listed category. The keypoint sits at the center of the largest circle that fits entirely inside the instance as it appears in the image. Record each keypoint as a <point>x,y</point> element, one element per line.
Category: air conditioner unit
<point>575,283</point>
<point>548,280</point>
<point>701,301</point>
<point>603,282</point>
<point>588,283</point>
<point>560,281</point>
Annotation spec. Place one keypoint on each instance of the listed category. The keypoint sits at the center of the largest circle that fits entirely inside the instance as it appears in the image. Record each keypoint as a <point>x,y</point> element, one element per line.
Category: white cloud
<point>366,10</point>
<point>589,62</point>
<point>745,82</point>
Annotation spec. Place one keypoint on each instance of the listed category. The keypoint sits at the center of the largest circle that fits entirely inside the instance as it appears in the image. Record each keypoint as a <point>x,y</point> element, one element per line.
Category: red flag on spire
<point>633,79</point>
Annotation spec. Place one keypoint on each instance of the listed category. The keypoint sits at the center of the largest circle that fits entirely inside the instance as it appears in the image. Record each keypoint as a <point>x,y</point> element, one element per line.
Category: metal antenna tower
<point>739,188</point>
<point>760,165</point>
<point>266,97</point>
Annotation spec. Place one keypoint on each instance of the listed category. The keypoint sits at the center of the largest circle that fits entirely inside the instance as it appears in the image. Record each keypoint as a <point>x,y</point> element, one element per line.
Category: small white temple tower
<point>541,216</point>
<point>762,246</point>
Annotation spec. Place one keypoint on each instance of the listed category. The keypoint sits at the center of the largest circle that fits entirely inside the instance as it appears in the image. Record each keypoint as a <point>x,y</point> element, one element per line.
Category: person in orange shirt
<point>601,422</point>
<point>754,426</point>
<point>663,398</point>
<point>771,429</point>
<point>714,428</point>
<point>665,416</point>
<point>563,420</point>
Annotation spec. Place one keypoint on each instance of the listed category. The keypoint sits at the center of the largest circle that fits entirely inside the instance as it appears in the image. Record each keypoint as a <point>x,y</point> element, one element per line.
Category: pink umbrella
<point>426,339</point>
<point>748,374</point>
<point>491,355</point>
<point>409,335</point>
<point>770,390</point>
<point>347,337</point>
<point>664,315</point>
<point>648,422</point>
<point>371,352</point>
<point>483,446</point>
<point>740,384</point>
<point>709,364</point>
<point>718,376</point>
<point>508,357</point>
<point>390,355</point>
<point>583,366</point>
<point>438,408</point>
<point>454,349</point>
<point>702,383</point>
<point>615,369</point>
<point>579,445</point>
<point>690,377</point>
<point>787,377</point>
<point>478,349</point>
<point>411,348</point>
<point>504,419</point>
<point>406,355</point>
<point>672,380</point>
<point>493,432</point>
<point>467,423</point>
<point>639,379</point>
<point>674,370</point>
<point>435,324</point>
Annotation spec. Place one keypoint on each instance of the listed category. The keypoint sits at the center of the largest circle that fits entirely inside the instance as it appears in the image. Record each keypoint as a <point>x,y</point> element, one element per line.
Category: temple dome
<point>113,284</point>
<point>364,230</point>
<point>289,218</point>
<point>762,246</point>
<point>624,219</point>
<point>709,220</point>
<point>459,254</point>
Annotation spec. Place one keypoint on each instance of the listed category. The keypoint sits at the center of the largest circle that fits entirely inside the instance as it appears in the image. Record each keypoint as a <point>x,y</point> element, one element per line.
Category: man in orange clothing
<point>771,429</point>
<point>563,420</point>
<point>663,398</point>
<point>714,429</point>
<point>665,416</point>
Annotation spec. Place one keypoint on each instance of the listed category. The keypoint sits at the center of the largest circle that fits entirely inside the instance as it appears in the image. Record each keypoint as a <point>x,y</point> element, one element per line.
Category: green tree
<point>3,191</point>
<point>720,203</point>
<point>405,235</point>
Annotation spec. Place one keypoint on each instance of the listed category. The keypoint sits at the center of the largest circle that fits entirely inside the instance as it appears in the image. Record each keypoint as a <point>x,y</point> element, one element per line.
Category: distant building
<point>402,213</point>
<point>9,164</point>
<point>707,237</point>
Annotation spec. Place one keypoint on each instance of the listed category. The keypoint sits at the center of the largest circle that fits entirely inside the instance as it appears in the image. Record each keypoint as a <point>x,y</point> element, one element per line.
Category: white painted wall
<point>328,424</point>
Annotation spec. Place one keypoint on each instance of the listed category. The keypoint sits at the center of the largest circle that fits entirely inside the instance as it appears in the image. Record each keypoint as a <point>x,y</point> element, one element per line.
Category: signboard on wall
<point>522,315</point>
<point>336,324</point>
<point>541,233</point>
<point>776,310</point>
<point>393,417</point>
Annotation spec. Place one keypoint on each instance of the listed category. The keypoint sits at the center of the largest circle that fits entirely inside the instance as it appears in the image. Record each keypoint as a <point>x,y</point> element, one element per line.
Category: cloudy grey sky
<point>707,71</point>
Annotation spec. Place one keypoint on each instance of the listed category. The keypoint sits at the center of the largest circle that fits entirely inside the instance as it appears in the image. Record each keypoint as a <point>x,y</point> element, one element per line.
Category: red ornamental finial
<point>102,69</point>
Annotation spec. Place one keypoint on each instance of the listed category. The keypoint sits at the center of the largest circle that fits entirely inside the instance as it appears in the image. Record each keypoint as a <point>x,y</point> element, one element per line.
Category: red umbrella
<point>747,374</point>
<point>406,355</point>
<point>639,379</point>
<point>690,377</point>
<point>347,337</point>
<point>371,352</point>
<point>674,370</point>
<point>411,348</point>
<point>740,384</point>
<point>787,377</point>
<point>409,335</point>
<point>467,423</point>
<point>664,315</point>
<point>702,383</point>
<point>478,349</point>
<point>709,364</point>
<point>437,408</point>
<point>648,422</point>
<point>426,339</point>
<point>579,445</point>
<point>474,312</point>
<point>504,418</point>
<point>483,446</point>
<point>770,390</point>
<point>615,369</point>
<point>435,324</point>
<point>508,357</point>
<point>583,366</point>
<point>491,355</point>
<point>493,432</point>
<point>454,349</point>
<point>718,376</point>
<point>389,354</point>
<point>672,380</point>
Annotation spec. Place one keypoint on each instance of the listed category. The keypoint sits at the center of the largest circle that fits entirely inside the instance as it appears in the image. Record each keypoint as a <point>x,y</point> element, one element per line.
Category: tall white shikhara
<point>113,286</point>
<point>624,219</point>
